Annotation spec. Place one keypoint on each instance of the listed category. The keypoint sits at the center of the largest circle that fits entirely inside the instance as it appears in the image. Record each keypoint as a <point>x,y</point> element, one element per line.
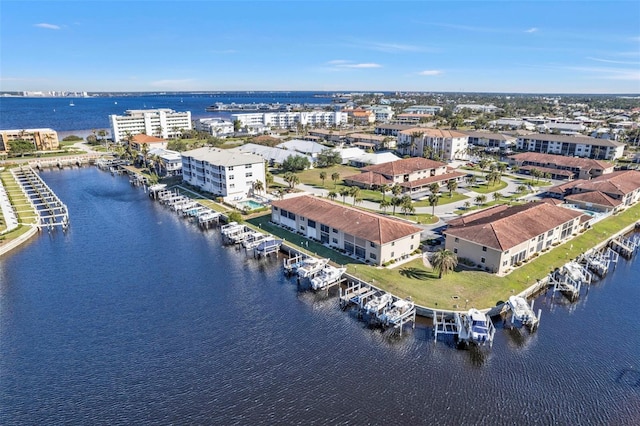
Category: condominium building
<point>500,238</point>
<point>423,109</point>
<point>227,174</point>
<point>371,237</point>
<point>572,146</point>
<point>291,119</point>
<point>42,139</point>
<point>215,126</point>
<point>491,140</point>
<point>561,167</point>
<point>164,123</point>
<point>446,145</point>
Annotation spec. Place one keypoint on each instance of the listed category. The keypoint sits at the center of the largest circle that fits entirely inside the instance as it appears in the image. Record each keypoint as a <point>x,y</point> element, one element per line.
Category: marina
<point>52,212</point>
<point>206,324</point>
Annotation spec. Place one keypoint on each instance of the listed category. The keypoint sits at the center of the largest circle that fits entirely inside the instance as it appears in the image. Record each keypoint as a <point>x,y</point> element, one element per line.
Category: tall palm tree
<point>433,202</point>
<point>323,176</point>
<point>384,205</point>
<point>268,178</point>
<point>444,261</point>
<point>396,189</point>
<point>344,192</point>
<point>395,202</point>
<point>332,195</point>
<point>452,185</point>
<point>434,187</point>
<point>334,177</point>
<point>407,205</point>
<point>493,178</point>
<point>384,188</point>
<point>497,195</point>
<point>258,186</point>
<point>480,199</point>
<point>354,191</point>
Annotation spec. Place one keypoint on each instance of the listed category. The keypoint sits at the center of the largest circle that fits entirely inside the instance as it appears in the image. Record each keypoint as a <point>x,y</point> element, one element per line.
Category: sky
<point>559,46</point>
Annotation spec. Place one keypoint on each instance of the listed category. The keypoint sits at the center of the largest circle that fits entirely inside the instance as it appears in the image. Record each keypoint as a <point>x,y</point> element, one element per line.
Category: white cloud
<point>342,64</point>
<point>430,72</point>
<point>609,61</point>
<point>531,30</point>
<point>47,26</point>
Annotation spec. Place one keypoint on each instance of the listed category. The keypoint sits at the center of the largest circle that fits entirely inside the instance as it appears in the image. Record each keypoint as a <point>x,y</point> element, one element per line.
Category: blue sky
<point>475,46</point>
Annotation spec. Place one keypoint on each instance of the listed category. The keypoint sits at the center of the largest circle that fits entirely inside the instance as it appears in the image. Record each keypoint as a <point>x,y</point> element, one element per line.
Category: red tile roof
<point>404,166</point>
<point>427,181</point>
<point>594,197</point>
<point>142,138</point>
<point>369,178</point>
<point>369,226</point>
<point>620,183</point>
<point>560,160</point>
<point>502,227</point>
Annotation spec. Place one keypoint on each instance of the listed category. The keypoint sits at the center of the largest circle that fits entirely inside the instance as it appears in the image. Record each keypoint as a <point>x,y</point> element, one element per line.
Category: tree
<point>292,179</point>
<point>444,261</point>
<point>502,167</point>
<point>234,216</point>
<point>268,177</point>
<point>21,146</point>
<point>295,163</point>
<point>328,158</point>
<point>452,185</point>
<point>521,188</point>
<point>407,205</point>
<point>470,180</point>
<point>467,205</point>
<point>258,186</point>
<point>332,195</point>
<point>323,176</point>
<point>434,187</point>
<point>497,196</point>
<point>395,202</point>
<point>396,189</point>
<point>433,202</point>
<point>383,189</point>
<point>480,199</point>
<point>237,125</point>
<point>484,163</point>
<point>354,191</point>
<point>493,178</point>
<point>384,205</point>
<point>145,153</point>
<point>344,192</point>
<point>335,176</point>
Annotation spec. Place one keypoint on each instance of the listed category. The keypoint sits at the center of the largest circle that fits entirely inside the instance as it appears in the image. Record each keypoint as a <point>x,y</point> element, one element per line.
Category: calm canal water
<point>136,316</point>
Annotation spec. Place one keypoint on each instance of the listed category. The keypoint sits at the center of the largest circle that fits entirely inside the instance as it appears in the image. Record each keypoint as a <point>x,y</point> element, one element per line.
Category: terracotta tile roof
<point>564,188</point>
<point>560,160</point>
<point>431,179</point>
<point>553,171</point>
<point>434,133</point>
<point>404,166</point>
<point>620,183</point>
<point>359,223</point>
<point>369,178</point>
<point>141,138</point>
<point>552,201</point>
<point>594,197</point>
<point>507,227</point>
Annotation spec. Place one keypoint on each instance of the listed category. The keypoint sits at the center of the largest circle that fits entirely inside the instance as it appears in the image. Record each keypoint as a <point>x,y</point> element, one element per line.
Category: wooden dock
<point>52,212</point>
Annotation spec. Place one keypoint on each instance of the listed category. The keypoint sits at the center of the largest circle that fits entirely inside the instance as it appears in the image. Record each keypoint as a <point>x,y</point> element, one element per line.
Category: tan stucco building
<point>42,139</point>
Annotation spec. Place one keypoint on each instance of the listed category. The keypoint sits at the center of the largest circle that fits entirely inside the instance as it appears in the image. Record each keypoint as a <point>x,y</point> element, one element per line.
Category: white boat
<point>311,266</point>
<point>399,310</point>
<point>521,310</point>
<point>475,327</point>
<point>377,304</point>
<point>327,276</point>
<point>72,104</point>
<point>575,271</point>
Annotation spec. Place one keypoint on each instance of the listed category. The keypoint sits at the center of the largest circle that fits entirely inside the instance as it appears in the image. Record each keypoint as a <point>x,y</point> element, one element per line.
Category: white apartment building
<point>225,173</point>
<point>572,146</point>
<point>446,144</point>
<point>383,113</point>
<point>423,109</point>
<point>164,123</point>
<point>214,126</point>
<point>291,119</point>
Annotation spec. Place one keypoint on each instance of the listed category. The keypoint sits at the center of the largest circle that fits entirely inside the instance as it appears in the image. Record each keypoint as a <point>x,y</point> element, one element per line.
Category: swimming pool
<point>249,205</point>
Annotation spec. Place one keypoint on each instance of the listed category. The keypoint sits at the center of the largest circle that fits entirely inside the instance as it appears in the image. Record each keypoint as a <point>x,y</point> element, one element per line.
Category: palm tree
<point>354,191</point>
<point>452,185</point>
<point>332,195</point>
<point>323,176</point>
<point>414,140</point>
<point>344,192</point>
<point>433,202</point>
<point>268,178</point>
<point>521,188</point>
<point>480,199</point>
<point>470,180</point>
<point>434,187</point>
<point>497,196</point>
<point>292,179</point>
<point>145,153</point>
<point>334,177</point>
<point>467,205</point>
<point>502,167</point>
<point>395,202</point>
<point>396,189</point>
<point>493,178</point>
<point>444,261</point>
<point>384,205</point>
<point>484,163</point>
<point>384,188</point>
<point>258,186</point>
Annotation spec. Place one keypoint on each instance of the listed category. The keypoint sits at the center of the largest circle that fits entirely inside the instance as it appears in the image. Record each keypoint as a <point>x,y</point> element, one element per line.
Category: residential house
<point>368,236</point>
<point>137,142</point>
<point>501,237</point>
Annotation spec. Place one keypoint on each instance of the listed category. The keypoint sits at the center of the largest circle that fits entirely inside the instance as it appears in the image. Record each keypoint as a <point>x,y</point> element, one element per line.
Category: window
<point>230,168</point>
<point>372,255</point>
<point>334,230</point>
<point>392,254</point>
<point>247,166</point>
<point>230,177</point>
<point>457,239</point>
<point>248,174</point>
<point>232,185</point>
<point>372,244</point>
<point>482,259</point>
<point>393,243</point>
<point>484,248</point>
<point>335,240</point>
<point>505,263</point>
<point>455,250</point>
<point>311,223</point>
<point>324,228</point>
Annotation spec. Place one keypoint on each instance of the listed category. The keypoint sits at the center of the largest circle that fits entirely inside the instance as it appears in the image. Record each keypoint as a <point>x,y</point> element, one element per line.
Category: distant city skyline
<point>453,46</point>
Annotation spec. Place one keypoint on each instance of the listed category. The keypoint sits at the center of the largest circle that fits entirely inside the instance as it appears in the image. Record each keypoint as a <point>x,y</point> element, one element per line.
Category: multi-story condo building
<point>561,167</point>
<point>383,113</point>
<point>423,109</point>
<point>572,146</point>
<point>500,238</point>
<point>491,140</point>
<point>164,123</point>
<point>477,108</point>
<point>42,139</point>
<point>170,162</point>
<point>371,237</point>
<point>445,144</point>
<point>291,119</point>
<point>214,126</point>
<point>227,174</point>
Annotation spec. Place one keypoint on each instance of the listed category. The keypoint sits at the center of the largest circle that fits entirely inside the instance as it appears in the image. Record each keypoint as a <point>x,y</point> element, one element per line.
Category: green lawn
<point>484,189</point>
<point>532,182</point>
<point>444,199</point>
<point>312,176</point>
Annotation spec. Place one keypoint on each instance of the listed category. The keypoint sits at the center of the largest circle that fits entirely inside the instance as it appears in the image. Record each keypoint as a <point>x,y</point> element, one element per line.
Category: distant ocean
<point>93,113</point>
